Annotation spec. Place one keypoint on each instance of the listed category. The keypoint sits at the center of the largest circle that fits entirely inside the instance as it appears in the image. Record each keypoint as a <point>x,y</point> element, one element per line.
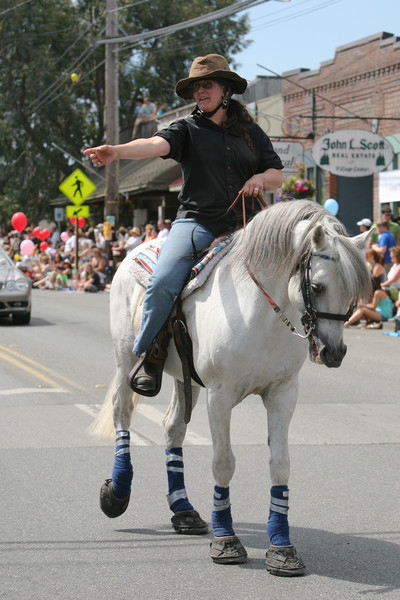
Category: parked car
<point>15,291</point>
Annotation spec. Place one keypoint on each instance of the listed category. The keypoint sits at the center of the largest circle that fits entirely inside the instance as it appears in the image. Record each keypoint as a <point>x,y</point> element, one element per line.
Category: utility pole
<point>111,113</point>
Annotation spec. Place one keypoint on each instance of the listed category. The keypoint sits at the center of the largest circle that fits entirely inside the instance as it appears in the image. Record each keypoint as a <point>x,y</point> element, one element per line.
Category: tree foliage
<point>43,43</point>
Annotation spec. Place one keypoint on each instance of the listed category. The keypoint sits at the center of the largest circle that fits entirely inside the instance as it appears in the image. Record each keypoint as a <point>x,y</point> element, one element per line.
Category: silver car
<point>15,291</point>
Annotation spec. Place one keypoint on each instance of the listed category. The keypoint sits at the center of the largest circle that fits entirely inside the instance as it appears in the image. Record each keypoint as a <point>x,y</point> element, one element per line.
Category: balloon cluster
<point>81,221</point>
<point>27,247</point>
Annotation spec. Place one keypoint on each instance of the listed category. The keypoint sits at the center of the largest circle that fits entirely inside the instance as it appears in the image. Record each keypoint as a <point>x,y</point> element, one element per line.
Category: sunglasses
<point>206,85</point>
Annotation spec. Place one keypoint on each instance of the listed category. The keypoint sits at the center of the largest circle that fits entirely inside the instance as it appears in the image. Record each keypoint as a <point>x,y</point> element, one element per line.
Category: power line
<point>213,16</point>
<point>315,93</point>
<point>3,12</point>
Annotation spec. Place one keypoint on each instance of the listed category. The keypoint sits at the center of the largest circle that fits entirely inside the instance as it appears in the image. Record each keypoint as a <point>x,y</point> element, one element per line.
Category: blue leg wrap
<point>122,471</point>
<point>177,498</point>
<point>278,525</point>
<point>221,517</point>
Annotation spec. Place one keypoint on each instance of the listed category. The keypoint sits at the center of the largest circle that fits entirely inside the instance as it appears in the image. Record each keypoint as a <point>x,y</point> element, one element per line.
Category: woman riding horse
<point>222,152</point>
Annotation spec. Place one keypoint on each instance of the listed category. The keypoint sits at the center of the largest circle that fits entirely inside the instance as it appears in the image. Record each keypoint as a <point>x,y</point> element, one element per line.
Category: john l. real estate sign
<point>352,152</point>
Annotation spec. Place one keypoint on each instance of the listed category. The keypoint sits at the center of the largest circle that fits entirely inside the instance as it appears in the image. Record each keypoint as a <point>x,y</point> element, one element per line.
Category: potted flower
<point>296,186</point>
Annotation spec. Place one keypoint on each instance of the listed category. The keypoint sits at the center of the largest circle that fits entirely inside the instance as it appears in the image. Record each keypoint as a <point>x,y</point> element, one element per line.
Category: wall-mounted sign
<point>290,153</point>
<point>389,187</point>
<point>352,152</point>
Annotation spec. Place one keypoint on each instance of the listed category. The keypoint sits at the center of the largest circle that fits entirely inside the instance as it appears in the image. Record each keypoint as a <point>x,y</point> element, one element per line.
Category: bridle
<point>311,315</point>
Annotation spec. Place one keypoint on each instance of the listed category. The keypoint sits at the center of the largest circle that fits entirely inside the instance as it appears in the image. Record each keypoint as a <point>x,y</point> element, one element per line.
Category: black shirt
<point>215,166</point>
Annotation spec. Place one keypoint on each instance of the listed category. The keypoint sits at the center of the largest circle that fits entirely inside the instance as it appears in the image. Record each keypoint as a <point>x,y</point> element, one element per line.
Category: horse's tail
<point>103,424</point>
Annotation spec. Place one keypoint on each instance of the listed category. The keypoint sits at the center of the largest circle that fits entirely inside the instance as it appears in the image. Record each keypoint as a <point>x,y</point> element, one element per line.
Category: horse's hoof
<point>284,561</point>
<point>189,522</point>
<point>110,504</point>
<point>228,550</point>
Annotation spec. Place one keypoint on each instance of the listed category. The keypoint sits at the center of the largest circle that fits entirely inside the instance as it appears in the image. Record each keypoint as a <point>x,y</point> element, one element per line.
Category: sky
<point>304,33</point>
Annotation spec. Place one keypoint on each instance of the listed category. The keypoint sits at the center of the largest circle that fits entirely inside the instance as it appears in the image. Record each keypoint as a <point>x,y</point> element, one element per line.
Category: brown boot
<point>146,376</point>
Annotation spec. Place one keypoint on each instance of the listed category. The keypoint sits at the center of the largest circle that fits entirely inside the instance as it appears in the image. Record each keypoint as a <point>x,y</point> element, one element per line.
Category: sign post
<point>77,187</point>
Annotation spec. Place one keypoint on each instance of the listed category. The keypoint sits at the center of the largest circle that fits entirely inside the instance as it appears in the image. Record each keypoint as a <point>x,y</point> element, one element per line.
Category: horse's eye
<point>317,288</point>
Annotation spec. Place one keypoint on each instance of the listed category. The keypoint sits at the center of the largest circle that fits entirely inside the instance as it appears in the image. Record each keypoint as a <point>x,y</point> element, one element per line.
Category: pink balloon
<point>27,247</point>
<point>64,236</point>
<point>19,221</point>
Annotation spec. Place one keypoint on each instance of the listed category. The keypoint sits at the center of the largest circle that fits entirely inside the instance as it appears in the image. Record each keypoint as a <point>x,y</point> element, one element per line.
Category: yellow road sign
<point>77,187</point>
<point>77,211</point>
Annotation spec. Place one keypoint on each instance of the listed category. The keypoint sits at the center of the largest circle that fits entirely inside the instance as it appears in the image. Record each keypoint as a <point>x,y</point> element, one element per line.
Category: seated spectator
<point>385,242</point>
<point>150,232</point>
<point>41,267</point>
<point>118,246</point>
<point>163,229</point>
<point>378,310</point>
<point>134,239</point>
<point>392,283</point>
<point>64,274</point>
<point>99,263</point>
<point>91,283</point>
<point>375,264</point>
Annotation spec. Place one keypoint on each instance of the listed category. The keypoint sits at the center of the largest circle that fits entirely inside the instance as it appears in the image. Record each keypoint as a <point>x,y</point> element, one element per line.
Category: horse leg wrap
<point>122,471</point>
<point>177,497</point>
<point>221,518</point>
<point>278,525</point>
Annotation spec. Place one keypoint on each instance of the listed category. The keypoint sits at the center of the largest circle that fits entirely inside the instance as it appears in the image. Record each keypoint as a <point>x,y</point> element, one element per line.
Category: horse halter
<point>311,315</point>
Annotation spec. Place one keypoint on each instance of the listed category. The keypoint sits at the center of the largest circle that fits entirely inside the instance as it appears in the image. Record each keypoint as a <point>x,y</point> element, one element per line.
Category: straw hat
<point>209,67</point>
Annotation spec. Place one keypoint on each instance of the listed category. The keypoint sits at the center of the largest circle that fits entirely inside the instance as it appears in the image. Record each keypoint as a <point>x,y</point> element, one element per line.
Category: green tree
<point>157,64</point>
<point>43,43</point>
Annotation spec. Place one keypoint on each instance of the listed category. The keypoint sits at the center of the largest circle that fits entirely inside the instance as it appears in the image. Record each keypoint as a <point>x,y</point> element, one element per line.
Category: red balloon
<point>44,246</point>
<point>36,232</point>
<point>44,234</point>
<point>19,221</point>
<point>81,221</point>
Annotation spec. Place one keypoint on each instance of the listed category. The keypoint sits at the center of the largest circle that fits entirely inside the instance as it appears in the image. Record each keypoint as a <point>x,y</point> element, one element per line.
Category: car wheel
<point>24,319</point>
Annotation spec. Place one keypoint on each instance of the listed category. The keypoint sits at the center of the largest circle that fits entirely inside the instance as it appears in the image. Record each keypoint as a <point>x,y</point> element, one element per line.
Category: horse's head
<point>325,287</point>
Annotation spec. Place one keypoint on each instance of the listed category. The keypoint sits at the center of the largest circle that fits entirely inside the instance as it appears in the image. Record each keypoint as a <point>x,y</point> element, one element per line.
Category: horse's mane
<point>268,244</point>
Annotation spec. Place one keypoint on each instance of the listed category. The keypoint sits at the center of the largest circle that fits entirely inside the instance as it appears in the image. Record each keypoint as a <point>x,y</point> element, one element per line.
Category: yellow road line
<point>33,372</point>
<point>38,369</point>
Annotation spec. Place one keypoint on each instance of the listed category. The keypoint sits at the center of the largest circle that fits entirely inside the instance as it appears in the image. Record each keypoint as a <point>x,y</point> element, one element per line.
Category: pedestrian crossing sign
<point>77,187</point>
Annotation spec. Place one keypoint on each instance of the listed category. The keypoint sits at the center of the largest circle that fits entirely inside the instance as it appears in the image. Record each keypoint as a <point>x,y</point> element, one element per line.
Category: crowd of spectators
<point>146,110</point>
<point>55,267</point>
<point>383,260</point>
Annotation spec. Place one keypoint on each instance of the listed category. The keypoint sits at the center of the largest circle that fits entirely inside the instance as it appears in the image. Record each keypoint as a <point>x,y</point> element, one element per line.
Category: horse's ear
<point>361,240</point>
<point>318,239</point>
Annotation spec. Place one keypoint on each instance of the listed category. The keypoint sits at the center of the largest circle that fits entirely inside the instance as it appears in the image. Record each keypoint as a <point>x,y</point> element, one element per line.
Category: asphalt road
<point>55,542</point>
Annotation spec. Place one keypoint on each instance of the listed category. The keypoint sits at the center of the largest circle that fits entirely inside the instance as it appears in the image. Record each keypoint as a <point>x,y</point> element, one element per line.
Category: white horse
<point>247,339</point>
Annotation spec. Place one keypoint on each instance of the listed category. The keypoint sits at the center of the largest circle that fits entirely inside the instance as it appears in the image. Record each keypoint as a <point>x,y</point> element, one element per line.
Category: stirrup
<point>147,372</point>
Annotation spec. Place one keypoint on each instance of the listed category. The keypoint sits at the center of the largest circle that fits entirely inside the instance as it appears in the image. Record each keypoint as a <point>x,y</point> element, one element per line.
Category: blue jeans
<point>169,277</point>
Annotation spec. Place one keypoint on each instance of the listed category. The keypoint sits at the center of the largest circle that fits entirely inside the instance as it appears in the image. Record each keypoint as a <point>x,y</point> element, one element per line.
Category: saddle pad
<point>145,258</point>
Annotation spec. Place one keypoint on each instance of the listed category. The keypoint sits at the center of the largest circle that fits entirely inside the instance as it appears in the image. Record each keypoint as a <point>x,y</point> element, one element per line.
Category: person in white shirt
<point>70,243</point>
<point>134,239</point>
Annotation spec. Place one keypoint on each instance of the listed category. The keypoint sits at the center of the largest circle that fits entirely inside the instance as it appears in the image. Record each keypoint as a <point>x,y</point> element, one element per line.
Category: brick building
<point>357,89</point>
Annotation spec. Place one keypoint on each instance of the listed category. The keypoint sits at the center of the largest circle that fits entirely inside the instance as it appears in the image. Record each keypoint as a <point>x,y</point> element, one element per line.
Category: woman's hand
<point>253,186</point>
<point>101,155</point>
